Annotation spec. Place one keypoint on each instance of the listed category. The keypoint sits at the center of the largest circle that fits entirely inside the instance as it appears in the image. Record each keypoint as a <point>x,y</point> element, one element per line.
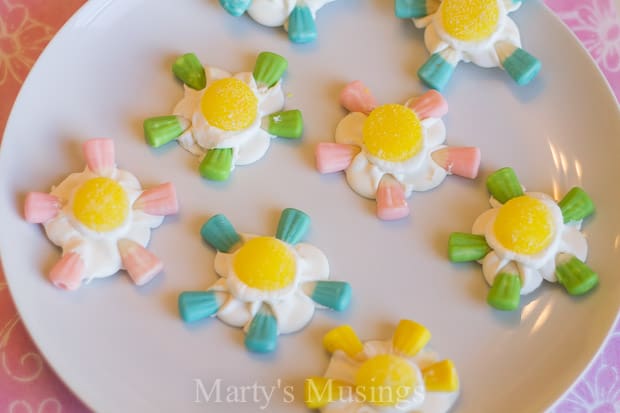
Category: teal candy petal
<point>436,72</point>
<point>293,225</point>
<point>219,233</point>
<point>301,25</point>
<point>196,305</point>
<point>332,294</point>
<point>522,66</point>
<point>410,9</point>
<point>236,7</point>
<point>262,336</point>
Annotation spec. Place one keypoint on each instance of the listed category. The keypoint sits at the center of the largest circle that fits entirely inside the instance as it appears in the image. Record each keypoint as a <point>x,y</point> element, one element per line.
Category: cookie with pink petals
<point>389,151</point>
<point>102,219</point>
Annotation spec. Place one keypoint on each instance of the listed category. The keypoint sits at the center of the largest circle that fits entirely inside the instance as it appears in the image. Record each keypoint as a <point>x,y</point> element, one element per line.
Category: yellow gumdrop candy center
<point>385,380</point>
<point>392,133</point>
<point>101,204</point>
<point>524,225</point>
<point>470,20</point>
<point>265,263</point>
<point>229,104</point>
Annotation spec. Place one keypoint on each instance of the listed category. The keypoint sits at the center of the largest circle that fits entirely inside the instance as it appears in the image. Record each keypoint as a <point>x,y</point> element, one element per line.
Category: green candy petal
<point>160,130</point>
<point>505,293</point>
<point>504,185</point>
<point>217,164</point>
<point>286,124</point>
<point>576,276</point>
<point>190,71</point>
<point>464,247</point>
<point>269,69</point>
<point>576,205</point>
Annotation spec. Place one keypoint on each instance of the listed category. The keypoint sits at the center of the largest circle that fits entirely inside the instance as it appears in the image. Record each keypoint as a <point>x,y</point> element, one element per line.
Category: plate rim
<point>91,9</point>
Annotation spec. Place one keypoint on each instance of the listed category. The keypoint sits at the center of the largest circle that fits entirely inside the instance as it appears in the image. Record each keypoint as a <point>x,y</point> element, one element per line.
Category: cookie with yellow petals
<point>399,375</point>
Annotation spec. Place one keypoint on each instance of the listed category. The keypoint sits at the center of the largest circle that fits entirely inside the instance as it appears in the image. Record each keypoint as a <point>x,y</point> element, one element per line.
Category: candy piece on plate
<point>389,151</point>
<point>334,157</point>
<point>285,124</point>
<point>526,237</point>
<point>297,16</point>
<point>227,119</point>
<point>189,70</point>
<point>196,305</point>
<point>102,219</point>
<point>40,207</point>
<point>269,285</point>
<point>477,31</point>
<point>397,375</point>
<point>160,130</point>
<point>158,200</point>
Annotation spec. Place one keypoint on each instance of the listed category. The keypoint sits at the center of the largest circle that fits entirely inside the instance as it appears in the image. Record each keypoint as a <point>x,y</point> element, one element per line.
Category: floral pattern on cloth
<point>596,24</point>
<point>28,385</point>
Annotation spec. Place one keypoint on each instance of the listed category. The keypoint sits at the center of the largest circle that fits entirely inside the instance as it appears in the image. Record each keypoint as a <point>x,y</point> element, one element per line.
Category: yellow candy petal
<point>441,376</point>
<point>410,337</point>
<point>343,338</point>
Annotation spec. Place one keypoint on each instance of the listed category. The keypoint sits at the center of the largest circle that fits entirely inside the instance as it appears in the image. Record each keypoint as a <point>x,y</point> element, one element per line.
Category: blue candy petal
<point>262,336</point>
<point>332,294</point>
<point>219,232</point>
<point>236,7</point>
<point>196,305</point>
<point>436,72</point>
<point>301,25</point>
<point>293,225</point>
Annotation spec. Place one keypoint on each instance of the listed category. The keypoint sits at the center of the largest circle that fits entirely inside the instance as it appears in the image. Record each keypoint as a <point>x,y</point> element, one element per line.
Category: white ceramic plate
<point>124,349</point>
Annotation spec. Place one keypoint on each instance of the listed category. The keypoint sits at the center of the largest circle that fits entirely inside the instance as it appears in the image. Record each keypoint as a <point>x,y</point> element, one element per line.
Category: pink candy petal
<point>429,105</point>
<point>391,202</point>
<point>160,200</point>
<point>67,273</point>
<point>356,97</point>
<point>334,157</point>
<point>461,161</point>
<point>99,154</point>
<point>140,263</point>
<point>40,207</point>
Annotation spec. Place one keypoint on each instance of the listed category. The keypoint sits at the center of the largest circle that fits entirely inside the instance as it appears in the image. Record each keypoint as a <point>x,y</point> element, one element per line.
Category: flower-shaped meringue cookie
<point>297,16</point>
<point>477,31</point>
<point>268,285</point>
<point>102,220</point>
<point>227,119</point>
<point>396,376</point>
<point>526,237</point>
<point>389,151</point>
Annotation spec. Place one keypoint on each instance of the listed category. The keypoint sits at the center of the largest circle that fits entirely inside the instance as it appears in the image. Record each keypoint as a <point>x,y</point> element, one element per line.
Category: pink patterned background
<point>28,385</point>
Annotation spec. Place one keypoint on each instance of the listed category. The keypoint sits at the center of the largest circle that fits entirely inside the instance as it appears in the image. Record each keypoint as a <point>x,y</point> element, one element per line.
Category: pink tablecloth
<point>28,385</point>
